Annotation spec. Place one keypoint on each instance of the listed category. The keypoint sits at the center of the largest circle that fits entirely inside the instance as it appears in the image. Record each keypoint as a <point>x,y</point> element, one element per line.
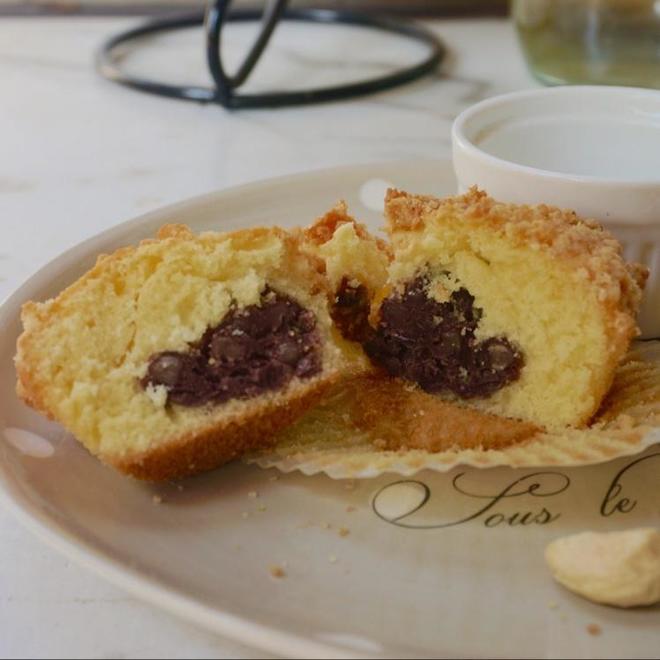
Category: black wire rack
<point>226,91</point>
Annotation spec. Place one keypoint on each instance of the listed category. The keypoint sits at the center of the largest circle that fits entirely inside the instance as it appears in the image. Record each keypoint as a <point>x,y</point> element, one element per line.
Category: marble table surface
<point>79,154</point>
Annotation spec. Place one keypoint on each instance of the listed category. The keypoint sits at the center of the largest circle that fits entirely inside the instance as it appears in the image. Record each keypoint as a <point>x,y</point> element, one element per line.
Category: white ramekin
<point>592,149</point>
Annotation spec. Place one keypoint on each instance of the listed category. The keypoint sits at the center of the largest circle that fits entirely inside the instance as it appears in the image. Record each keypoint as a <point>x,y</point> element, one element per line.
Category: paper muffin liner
<point>326,441</point>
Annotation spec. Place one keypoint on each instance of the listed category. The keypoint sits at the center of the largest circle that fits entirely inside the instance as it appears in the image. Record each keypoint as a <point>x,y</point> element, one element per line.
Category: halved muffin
<point>520,311</point>
<point>178,355</point>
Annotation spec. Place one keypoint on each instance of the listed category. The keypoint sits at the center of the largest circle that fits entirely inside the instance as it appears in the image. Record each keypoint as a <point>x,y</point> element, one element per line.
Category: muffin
<point>519,311</point>
<point>182,353</point>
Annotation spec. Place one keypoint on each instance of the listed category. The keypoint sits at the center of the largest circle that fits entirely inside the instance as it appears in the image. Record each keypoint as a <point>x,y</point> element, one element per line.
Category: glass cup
<point>602,42</point>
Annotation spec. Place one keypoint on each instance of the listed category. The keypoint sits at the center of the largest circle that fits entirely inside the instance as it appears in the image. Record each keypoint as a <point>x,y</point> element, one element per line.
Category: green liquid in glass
<point>611,42</point>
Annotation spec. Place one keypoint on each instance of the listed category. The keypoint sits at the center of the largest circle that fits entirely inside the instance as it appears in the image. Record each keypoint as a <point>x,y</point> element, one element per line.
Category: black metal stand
<point>225,92</point>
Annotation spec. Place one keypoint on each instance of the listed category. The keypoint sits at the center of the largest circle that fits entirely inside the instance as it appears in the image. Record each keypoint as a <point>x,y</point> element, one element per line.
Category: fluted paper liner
<point>326,440</point>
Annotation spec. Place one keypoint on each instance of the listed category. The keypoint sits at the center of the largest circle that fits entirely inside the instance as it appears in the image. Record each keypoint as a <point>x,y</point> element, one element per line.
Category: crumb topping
<point>592,251</point>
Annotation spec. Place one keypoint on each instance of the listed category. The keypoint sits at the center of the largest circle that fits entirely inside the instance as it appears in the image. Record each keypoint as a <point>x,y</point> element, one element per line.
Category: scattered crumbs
<point>277,572</point>
<point>594,629</point>
<point>261,508</point>
<point>238,548</point>
<point>157,499</point>
<point>332,559</point>
<point>350,509</point>
<point>305,525</point>
<point>179,487</point>
<point>553,605</point>
<point>343,531</point>
<point>350,485</point>
<point>563,617</point>
<point>253,494</point>
<point>274,478</point>
<point>421,413</point>
<point>245,515</point>
<point>326,525</point>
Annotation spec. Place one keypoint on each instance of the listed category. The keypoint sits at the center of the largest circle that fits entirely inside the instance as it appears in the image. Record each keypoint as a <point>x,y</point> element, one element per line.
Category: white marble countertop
<point>80,154</point>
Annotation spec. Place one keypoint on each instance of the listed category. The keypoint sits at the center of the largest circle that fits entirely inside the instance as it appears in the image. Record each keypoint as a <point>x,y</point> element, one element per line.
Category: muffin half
<point>520,311</point>
<point>178,355</point>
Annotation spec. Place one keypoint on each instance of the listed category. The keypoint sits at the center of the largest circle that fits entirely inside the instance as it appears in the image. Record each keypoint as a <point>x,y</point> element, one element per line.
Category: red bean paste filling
<point>255,350</point>
<point>433,344</point>
<point>350,311</point>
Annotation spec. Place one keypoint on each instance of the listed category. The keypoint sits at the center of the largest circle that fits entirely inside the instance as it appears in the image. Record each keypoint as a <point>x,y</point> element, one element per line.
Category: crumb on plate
<point>277,572</point>
<point>594,629</point>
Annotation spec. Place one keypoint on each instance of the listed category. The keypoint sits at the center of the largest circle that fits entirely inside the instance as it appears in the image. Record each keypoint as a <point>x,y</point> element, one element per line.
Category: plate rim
<point>237,629</point>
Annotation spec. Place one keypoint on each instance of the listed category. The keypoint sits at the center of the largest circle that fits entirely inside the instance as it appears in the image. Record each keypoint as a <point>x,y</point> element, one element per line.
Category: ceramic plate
<point>435,565</point>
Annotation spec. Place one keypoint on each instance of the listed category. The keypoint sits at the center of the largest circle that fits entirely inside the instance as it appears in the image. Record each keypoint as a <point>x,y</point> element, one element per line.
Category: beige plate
<point>444,564</point>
